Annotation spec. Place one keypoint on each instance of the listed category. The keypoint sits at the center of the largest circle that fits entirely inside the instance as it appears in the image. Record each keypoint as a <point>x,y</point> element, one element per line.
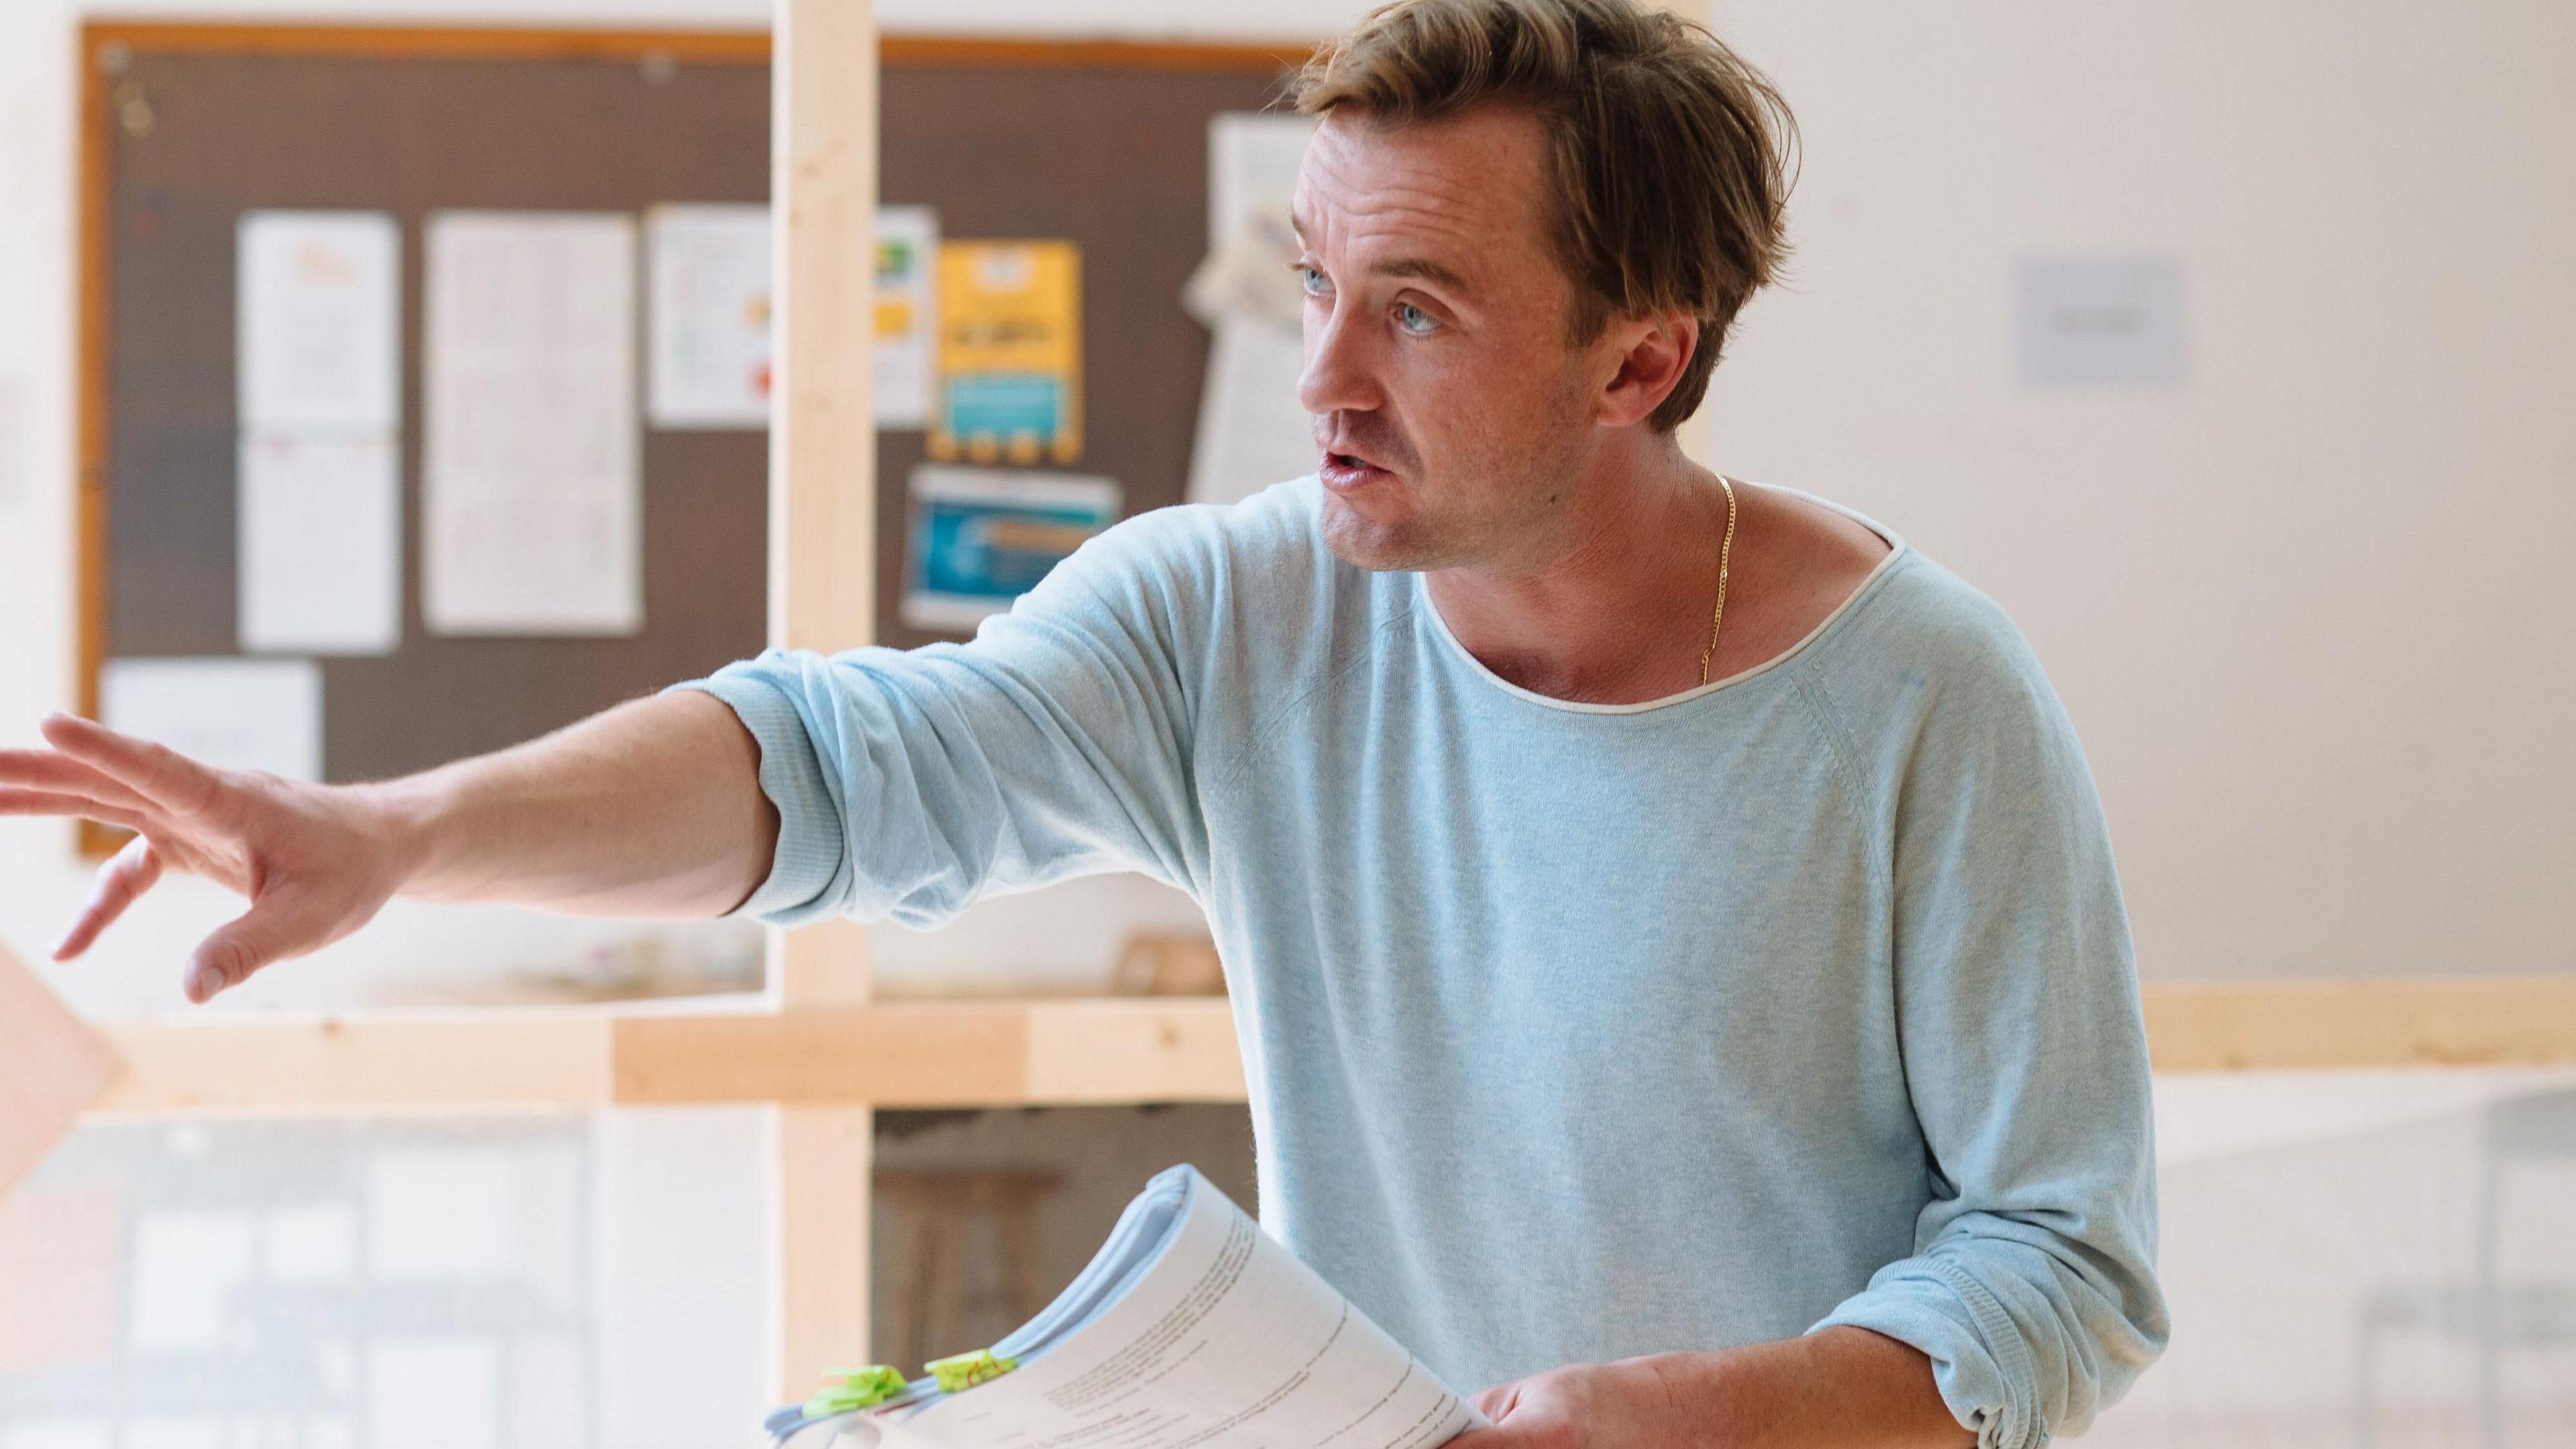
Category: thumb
<point>271,930</point>
<point>1497,1401</point>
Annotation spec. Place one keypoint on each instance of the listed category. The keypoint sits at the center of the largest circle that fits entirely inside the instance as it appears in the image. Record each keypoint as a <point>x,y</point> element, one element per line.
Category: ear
<point>1653,353</point>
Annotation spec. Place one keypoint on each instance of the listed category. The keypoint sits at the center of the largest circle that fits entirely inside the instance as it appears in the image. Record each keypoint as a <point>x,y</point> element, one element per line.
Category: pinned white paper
<point>531,483</point>
<point>2098,322</point>
<point>709,316</point>
<point>318,322</point>
<point>319,399</point>
<point>320,545</point>
<point>1253,158</point>
<point>235,714</point>
<point>708,324</point>
<point>1252,431</point>
<point>907,314</point>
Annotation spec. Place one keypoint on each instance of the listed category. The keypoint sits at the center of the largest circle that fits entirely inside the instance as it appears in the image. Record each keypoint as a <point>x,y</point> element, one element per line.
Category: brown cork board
<point>1103,144</point>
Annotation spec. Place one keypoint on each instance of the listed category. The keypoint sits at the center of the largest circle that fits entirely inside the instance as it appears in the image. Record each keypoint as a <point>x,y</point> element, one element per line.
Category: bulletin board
<point>186,127</point>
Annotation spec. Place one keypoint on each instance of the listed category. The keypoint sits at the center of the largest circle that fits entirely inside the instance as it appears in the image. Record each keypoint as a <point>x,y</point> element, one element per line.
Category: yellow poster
<point>1010,352</point>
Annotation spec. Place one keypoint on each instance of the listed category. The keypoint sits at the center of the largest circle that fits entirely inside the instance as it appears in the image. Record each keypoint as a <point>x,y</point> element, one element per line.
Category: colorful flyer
<point>1010,352</point>
<point>981,537</point>
<point>907,314</point>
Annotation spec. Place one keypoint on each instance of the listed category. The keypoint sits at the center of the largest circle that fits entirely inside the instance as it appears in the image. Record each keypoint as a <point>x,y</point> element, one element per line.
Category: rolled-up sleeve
<point>2032,1283</point>
<point>1056,743</point>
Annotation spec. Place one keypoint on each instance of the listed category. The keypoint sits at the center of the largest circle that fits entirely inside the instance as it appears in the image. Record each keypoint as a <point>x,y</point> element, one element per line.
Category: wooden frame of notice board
<point>948,102</point>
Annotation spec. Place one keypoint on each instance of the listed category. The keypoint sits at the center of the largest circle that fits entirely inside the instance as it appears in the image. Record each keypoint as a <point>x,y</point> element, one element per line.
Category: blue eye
<point>1413,319</point>
<point>1312,279</point>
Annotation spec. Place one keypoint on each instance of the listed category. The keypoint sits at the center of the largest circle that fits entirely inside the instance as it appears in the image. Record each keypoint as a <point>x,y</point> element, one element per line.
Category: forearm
<point>653,808</point>
<point>1841,1388</point>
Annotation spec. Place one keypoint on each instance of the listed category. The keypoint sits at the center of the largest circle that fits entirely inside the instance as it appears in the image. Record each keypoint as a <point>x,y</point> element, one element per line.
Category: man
<point>1672,930</point>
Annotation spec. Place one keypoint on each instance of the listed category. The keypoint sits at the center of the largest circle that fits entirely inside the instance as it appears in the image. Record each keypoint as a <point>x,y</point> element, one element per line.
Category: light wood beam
<point>939,1054</point>
<point>820,1253</point>
<point>822,580</point>
<point>822,444</point>
<point>905,1054</point>
<point>1117,1049</point>
<point>546,1059</point>
<point>2483,1022</point>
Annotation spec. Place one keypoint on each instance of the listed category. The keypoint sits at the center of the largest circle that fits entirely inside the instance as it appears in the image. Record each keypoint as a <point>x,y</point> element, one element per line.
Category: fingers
<point>61,774</point>
<point>48,802</point>
<point>126,876</point>
<point>162,776</point>
<point>273,930</point>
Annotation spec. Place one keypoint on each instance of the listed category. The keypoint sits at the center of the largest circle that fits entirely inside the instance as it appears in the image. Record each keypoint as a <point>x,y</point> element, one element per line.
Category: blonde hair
<point>1672,157</point>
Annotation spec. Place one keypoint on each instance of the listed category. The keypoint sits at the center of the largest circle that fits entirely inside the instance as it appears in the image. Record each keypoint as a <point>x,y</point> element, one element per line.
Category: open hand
<point>316,861</point>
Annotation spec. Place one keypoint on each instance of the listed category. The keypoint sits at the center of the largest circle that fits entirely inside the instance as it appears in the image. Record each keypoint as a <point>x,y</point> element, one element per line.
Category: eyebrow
<point>1421,268</point>
<point>1428,271</point>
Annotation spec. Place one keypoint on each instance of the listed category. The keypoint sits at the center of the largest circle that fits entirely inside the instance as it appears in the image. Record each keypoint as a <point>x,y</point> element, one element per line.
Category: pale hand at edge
<point>316,861</point>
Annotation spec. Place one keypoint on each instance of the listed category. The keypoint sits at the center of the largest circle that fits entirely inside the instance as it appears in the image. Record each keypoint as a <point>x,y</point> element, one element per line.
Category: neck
<point>1612,607</point>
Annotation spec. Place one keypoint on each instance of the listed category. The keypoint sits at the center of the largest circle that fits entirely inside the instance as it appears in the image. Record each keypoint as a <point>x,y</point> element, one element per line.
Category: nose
<point>1340,373</point>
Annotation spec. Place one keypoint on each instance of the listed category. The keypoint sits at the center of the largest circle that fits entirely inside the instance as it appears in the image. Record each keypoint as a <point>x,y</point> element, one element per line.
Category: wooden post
<point>822,595</point>
<point>820,1255</point>
<point>822,445</point>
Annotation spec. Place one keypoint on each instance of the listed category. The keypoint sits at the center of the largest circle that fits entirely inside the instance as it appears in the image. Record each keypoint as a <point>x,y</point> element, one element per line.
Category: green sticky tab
<point>855,1389</point>
<point>966,1370</point>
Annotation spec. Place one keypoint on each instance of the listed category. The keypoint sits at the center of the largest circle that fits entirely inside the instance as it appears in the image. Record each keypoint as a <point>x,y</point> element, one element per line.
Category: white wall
<point>2307,609</point>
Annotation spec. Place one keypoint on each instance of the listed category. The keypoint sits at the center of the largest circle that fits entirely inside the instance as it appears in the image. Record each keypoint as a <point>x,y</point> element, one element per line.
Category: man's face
<point>1453,414</point>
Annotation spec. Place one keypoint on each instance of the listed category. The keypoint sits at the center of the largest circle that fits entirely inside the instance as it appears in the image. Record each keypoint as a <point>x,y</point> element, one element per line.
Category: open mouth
<point>1343,472</point>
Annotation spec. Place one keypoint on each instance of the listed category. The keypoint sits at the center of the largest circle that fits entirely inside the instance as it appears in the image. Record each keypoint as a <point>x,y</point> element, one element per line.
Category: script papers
<point>1192,1328</point>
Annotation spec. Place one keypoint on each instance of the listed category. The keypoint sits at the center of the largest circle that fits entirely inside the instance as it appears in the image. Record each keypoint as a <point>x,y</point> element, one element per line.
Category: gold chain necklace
<point>1725,556</point>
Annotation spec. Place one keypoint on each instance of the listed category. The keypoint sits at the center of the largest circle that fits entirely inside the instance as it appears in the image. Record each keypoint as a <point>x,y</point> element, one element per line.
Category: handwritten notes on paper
<point>319,400</point>
<point>708,319</point>
<point>531,479</point>
<point>319,337</point>
<point>708,316</point>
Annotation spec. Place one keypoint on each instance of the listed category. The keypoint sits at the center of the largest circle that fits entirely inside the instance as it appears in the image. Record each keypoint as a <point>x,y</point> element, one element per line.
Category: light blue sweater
<point>1574,1032</point>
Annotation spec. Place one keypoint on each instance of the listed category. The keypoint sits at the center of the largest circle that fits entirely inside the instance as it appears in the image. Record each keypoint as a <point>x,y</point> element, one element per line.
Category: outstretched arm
<point>653,808</point>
